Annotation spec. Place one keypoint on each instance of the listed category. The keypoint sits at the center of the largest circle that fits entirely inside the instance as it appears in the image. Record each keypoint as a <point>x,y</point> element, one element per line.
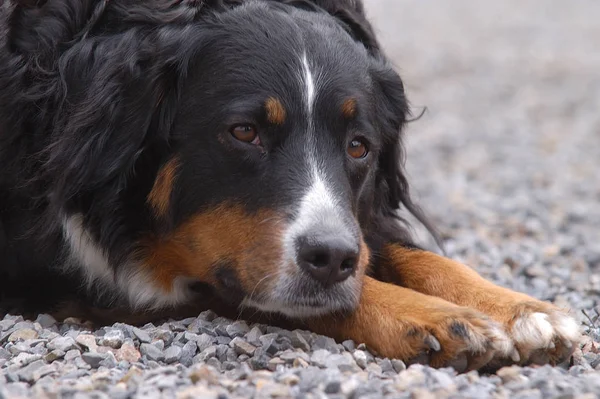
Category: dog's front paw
<point>417,328</point>
<point>540,332</point>
<point>467,339</point>
<point>543,333</point>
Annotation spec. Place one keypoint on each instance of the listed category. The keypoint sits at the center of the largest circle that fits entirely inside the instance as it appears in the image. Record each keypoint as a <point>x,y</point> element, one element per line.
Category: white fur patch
<point>309,86</point>
<point>502,343</point>
<point>128,281</point>
<point>566,327</point>
<point>533,330</point>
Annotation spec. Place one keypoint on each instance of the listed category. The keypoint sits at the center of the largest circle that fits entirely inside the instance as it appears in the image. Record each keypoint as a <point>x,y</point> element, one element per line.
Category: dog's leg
<point>401,323</point>
<point>541,332</point>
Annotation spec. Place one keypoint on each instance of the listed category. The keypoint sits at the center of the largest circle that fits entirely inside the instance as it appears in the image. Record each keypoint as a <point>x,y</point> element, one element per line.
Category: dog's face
<point>275,154</point>
<point>253,151</point>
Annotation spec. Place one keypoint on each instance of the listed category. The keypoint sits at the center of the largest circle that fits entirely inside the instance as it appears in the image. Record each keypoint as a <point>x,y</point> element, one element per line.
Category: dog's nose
<point>328,259</point>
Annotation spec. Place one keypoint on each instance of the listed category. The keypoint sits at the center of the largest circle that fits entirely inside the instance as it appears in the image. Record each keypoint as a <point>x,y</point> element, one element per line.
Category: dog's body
<point>235,154</point>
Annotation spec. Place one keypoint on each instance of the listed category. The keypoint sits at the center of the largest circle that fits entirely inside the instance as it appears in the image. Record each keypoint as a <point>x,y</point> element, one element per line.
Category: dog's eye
<point>246,133</point>
<point>357,149</point>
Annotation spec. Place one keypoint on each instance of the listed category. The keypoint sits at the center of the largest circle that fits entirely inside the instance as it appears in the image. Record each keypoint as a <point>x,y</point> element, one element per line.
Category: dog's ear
<point>350,14</point>
<point>119,98</point>
<point>392,111</point>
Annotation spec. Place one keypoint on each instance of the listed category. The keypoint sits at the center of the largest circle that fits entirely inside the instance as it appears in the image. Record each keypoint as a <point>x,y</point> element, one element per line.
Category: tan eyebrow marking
<point>276,113</point>
<point>349,108</point>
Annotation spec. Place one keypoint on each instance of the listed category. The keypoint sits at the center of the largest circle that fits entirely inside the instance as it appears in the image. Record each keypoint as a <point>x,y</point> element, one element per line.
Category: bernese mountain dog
<point>158,156</point>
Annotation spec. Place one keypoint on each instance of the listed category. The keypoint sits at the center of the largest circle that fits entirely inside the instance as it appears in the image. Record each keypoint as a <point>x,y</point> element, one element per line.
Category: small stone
<point>72,354</point>
<point>187,353</point>
<point>254,335</point>
<point>133,373</point>
<point>4,354</point>
<point>349,345</point>
<point>151,352</point>
<point>299,362</point>
<point>88,342</point>
<point>221,340</point>
<point>27,373</point>
<point>165,336</point>
<point>273,363</point>
<point>289,357</point>
<point>204,373</point>
<point>54,355</point>
<point>510,374</point>
<point>44,371</point>
<point>207,315</point>
<point>398,365</point>
<point>128,353</point>
<point>172,354</point>
<point>386,365</point>
<point>319,357</point>
<point>142,335</point>
<point>333,387</point>
<point>45,320</point>
<point>374,368</point>
<point>159,344</point>
<point>326,343</point>
<point>360,357</point>
<point>20,347</point>
<point>6,324</point>
<point>298,341</point>
<point>203,341</point>
<point>110,361</point>
<point>113,338</point>
<point>64,344</point>
<point>22,335</point>
<point>93,358</point>
<point>208,353</point>
<point>343,362</point>
<point>237,329</point>
<point>259,362</point>
<point>242,347</point>
<point>214,362</point>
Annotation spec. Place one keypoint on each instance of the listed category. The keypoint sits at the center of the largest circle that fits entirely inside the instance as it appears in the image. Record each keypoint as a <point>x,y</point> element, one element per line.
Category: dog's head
<point>253,148</point>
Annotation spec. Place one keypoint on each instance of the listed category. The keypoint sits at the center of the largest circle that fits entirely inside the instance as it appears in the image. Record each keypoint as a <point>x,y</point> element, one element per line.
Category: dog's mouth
<point>300,298</point>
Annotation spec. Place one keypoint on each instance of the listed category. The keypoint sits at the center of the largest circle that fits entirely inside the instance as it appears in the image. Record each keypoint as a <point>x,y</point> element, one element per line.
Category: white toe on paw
<point>501,342</point>
<point>539,330</point>
<point>533,330</point>
<point>566,327</point>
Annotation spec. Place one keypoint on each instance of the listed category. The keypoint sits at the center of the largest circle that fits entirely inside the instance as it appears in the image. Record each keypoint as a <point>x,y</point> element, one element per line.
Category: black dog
<point>157,155</point>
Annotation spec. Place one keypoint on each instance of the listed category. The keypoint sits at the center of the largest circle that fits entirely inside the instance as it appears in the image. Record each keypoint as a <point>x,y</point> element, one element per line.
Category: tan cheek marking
<point>349,108</point>
<point>159,198</point>
<point>225,232</point>
<point>276,113</point>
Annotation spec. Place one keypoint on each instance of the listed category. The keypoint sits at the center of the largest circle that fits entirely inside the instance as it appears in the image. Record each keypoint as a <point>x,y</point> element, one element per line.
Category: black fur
<point>96,95</point>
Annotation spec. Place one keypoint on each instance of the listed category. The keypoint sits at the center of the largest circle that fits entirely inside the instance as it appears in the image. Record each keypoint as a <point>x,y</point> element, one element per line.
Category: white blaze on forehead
<point>309,86</point>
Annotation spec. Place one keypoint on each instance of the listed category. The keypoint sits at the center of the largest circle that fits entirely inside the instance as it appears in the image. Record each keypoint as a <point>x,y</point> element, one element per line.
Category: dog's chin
<point>302,299</point>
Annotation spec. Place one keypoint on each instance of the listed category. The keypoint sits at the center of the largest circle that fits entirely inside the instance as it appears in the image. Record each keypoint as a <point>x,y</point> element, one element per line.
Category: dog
<point>236,155</point>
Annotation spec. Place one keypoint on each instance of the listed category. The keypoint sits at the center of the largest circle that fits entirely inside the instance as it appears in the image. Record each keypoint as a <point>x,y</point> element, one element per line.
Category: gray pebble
<point>187,353</point>
<point>93,358</point>
<point>172,354</point>
<point>254,335</point>
<point>207,353</point>
<point>151,352</point>
<point>327,343</point>
<point>64,344</point>
<point>142,335</point>
<point>26,374</point>
<point>45,320</point>
<point>242,347</point>
<point>237,329</point>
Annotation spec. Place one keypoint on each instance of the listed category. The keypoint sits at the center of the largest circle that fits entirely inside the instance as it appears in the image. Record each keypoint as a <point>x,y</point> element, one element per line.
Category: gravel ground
<point>505,161</point>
